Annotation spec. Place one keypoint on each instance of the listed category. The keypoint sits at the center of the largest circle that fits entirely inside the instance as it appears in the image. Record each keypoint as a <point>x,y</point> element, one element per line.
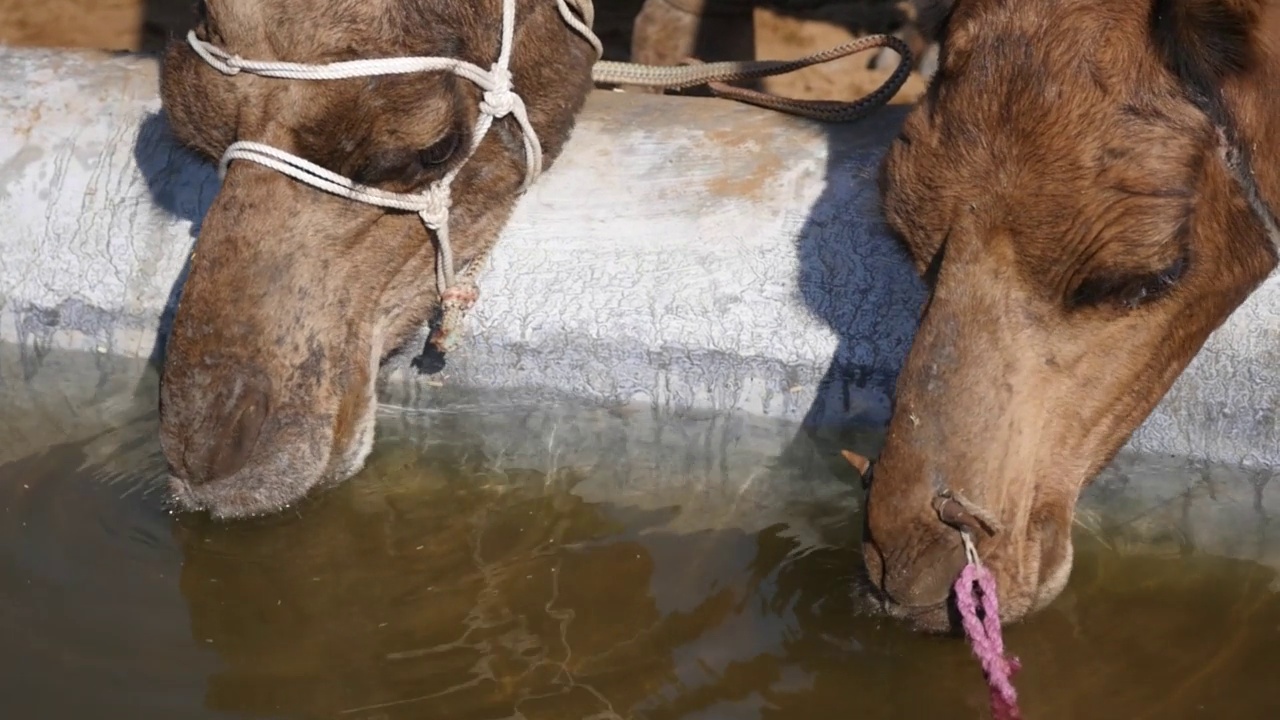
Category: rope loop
<point>221,61</point>
<point>970,550</point>
<point>979,608</point>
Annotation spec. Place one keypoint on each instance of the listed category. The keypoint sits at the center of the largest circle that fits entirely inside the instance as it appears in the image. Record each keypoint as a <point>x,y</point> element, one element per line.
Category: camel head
<point>1089,190</point>
<point>296,294</point>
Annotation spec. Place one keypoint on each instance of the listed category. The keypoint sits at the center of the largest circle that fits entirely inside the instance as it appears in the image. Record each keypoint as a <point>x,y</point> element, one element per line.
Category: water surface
<point>575,563</point>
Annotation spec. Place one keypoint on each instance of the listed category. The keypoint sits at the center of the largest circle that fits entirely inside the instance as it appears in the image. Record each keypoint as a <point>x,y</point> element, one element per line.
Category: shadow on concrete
<point>878,264</point>
<point>859,281</point>
<point>173,190</point>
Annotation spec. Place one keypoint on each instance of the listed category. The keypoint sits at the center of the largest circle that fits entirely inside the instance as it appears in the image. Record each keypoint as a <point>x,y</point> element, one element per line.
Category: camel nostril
<point>229,440</point>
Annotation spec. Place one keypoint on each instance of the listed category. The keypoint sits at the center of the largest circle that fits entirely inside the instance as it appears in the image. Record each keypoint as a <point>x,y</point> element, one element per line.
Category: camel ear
<point>1205,42</point>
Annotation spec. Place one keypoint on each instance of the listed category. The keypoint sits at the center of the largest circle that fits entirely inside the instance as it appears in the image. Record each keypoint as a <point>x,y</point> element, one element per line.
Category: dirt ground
<point>779,37</point>
<point>145,24</point>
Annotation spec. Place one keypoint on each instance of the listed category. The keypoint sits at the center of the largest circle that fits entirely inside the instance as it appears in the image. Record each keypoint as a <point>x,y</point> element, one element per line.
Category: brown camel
<point>295,295</point>
<point>1089,189</point>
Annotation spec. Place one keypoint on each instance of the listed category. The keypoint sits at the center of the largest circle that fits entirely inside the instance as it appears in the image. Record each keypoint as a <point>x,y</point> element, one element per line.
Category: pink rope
<point>984,636</point>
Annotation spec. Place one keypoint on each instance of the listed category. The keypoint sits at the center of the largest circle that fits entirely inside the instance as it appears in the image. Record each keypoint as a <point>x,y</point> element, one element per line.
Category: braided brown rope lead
<point>716,77</point>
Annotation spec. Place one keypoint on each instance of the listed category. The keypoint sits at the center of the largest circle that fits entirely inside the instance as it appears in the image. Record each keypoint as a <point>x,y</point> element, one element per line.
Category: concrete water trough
<point>692,256</point>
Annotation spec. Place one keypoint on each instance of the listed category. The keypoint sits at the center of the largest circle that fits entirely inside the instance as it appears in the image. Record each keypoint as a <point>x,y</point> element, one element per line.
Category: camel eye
<point>1128,291</point>
<point>441,152</point>
<point>406,167</point>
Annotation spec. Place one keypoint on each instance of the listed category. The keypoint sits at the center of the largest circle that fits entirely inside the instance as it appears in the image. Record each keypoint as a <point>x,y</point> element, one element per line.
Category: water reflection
<point>434,588</point>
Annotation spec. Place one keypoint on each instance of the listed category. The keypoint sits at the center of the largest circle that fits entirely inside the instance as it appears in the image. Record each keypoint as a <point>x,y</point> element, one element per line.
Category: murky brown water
<point>448,581</point>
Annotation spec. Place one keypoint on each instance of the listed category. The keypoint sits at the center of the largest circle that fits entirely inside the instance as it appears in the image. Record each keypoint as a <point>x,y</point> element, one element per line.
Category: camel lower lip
<point>297,458</point>
<point>909,611</point>
<point>220,500</point>
<point>928,619</point>
<point>260,490</point>
<point>932,618</point>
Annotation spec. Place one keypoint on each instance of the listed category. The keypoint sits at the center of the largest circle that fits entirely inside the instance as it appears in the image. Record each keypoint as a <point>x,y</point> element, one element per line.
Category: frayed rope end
<point>455,301</point>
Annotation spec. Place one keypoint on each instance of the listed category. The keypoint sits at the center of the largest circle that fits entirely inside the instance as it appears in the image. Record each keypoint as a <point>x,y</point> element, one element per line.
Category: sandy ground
<point>99,24</point>
<point>144,25</point>
<point>779,37</point>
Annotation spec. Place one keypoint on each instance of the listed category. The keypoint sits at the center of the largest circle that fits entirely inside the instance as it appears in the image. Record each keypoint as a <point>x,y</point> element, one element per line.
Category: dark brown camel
<point>1089,188</point>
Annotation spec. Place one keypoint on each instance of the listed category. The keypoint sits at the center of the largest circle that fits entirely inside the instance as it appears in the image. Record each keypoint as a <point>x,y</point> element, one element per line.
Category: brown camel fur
<point>1089,189</point>
<point>295,296</point>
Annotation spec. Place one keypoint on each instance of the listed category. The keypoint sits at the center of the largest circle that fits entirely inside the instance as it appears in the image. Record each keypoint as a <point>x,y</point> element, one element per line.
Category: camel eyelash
<point>408,167</point>
<point>1130,290</point>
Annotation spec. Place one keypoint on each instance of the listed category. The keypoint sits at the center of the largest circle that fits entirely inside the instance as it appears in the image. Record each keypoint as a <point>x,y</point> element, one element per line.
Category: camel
<point>1089,189</point>
<point>295,292</point>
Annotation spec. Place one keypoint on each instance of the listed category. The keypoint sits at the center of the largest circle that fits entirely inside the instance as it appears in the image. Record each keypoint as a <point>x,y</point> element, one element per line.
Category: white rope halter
<point>433,204</point>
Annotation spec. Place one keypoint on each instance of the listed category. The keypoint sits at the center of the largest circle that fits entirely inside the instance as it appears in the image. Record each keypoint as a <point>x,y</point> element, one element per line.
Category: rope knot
<point>501,100</point>
<point>435,206</point>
